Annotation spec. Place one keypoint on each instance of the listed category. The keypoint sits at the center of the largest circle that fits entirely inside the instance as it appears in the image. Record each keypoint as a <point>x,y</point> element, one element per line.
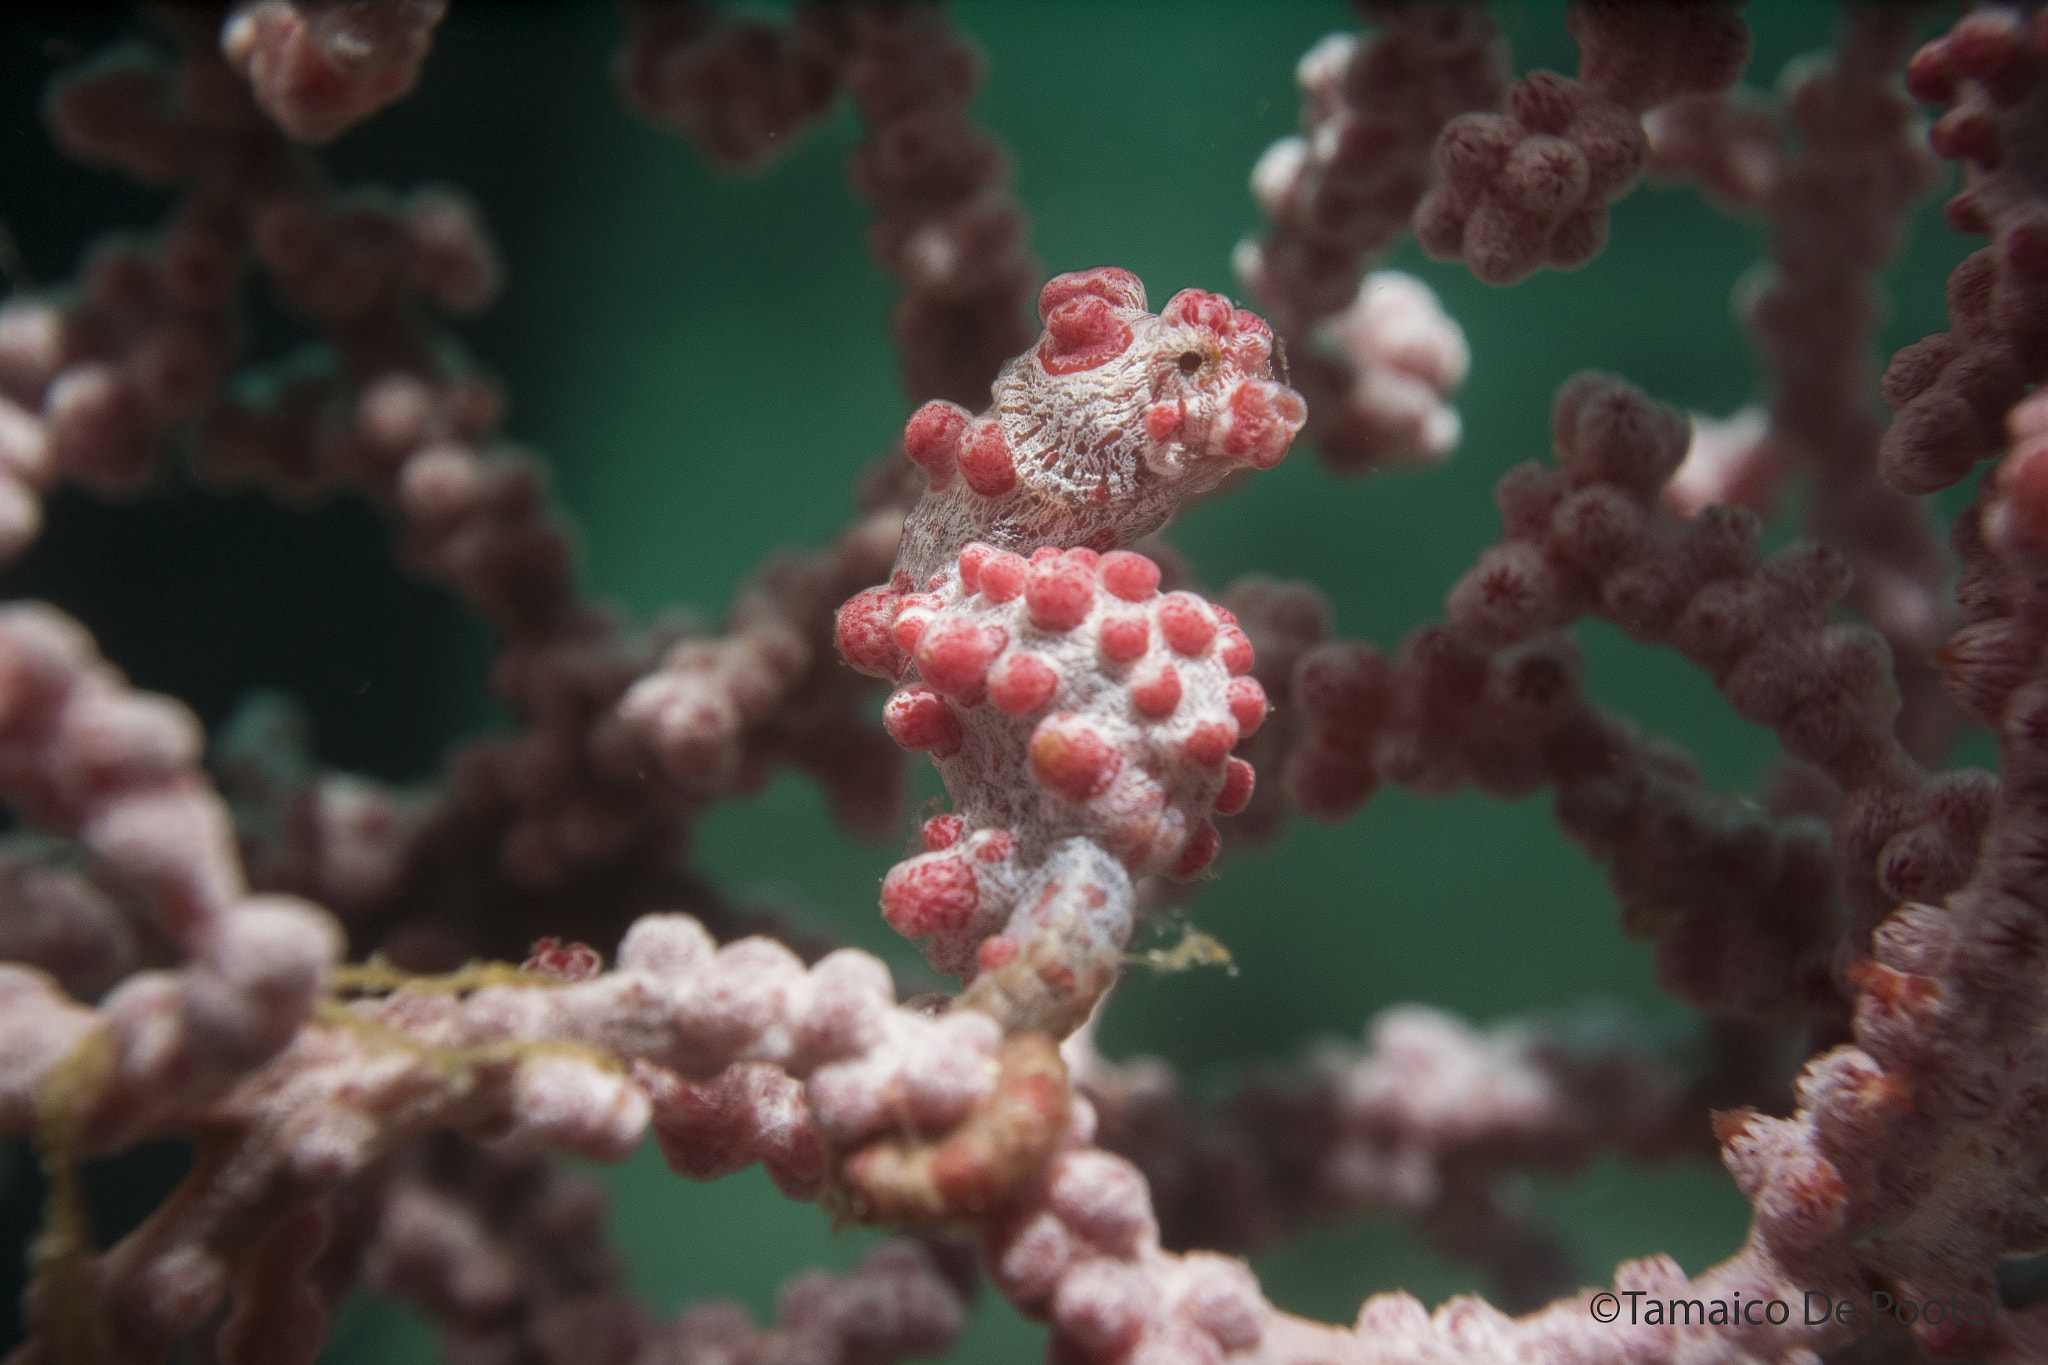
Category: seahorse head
<point>1114,397</point>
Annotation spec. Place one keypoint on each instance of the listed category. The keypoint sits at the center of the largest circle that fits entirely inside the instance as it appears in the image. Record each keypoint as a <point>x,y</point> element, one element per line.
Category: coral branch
<point>1950,392</point>
<point>1429,1121</point>
<point>1837,184</point>
<point>741,89</point>
<point>1530,188</point>
<point>1374,356</point>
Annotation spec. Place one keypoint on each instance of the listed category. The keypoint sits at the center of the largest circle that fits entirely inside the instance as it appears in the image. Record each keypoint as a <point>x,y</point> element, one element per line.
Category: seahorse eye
<point>1190,361</point>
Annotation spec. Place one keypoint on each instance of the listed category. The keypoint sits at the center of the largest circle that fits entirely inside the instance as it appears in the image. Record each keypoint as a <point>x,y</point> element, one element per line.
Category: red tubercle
<point>1045,554</point>
<point>996,953</point>
<point>919,718</point>
<point>1058,975</point>
<point>1082,334</point>
<point>1199,308</point>
<point>932,439</point>
<point>1125,636</point>
<point>1247,702</point>
<point>1250,350</point>
<point>1071,757</point>
<point>1185,621</point>
<point>1130,576</point>
<point>1106,282</point>
<point>994,845</point>
<point>985,460</point>
<point>929,896</point>
<point>942,831</point>
<point>1209,742</point>
<point>1195,856</point>
<point>954,654</point>
<point>1059,592</point>
<point>1021,683</point>
<point>1163,419</point>
<point>1156,691</point>
<point>864,632</point>
<point>913,614</point>
<point>1235,650</point>
<point>1083,556</point>
<point>1001,576</point>
<point>1261,419</point>
<point>570,961</point>
<point>1238,779</point>
<point>971,559</point>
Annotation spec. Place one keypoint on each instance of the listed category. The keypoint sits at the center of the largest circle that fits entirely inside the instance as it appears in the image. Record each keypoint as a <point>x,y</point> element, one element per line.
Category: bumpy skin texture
<point>1097,433</point>
<point>1082,721</point>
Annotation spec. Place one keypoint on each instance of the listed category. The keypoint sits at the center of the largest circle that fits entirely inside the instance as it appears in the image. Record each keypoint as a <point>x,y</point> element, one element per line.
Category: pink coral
<point>1530,187</point>
<point>1339,196</point>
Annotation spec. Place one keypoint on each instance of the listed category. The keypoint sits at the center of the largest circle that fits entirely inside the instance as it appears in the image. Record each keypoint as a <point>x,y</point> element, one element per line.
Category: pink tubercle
<point>1021,683</point>
<point>919,718</point>
<point>1082,334</point>
<point>1199,308</point>
<point>985,460</point>
<point>864,631</point>
<point>1247,702</point>
<point>1210,741</point>
<point>932,439</point>
<point>1059,592</point>
<point>1001,576</point>
<point>1163,420</point>
<point>1105,282</point>
<point>1132,577</point>
<point>1185,621</point>
<point>929,895</point>
<point>954,655</point>
<point>1124,636</point>
<point>1200,850</point>
<point>1235,650</point>
<point>971,559</point>
<point>1156,691</point>
<point>1071,757</point>
<point>1260,420</point>
<point>1238,779</point>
